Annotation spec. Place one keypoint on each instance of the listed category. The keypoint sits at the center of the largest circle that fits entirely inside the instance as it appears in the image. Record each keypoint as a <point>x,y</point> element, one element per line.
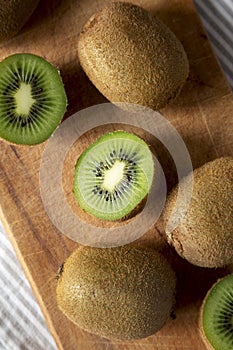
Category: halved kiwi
<point>217,315</point>
<point>113,175</point>
<point>32,99</point>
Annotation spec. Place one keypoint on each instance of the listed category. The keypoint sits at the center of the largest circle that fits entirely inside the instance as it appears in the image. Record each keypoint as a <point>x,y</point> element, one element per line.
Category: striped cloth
<point>22,325</point>
<point>217,17</point>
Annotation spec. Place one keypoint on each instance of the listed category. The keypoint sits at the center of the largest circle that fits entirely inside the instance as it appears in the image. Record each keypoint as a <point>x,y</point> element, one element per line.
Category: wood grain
<point>202,115</point>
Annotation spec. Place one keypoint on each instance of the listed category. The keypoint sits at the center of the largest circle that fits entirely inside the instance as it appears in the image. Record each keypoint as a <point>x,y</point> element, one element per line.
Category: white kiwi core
<point>23,99</point>
<point>113,176</point>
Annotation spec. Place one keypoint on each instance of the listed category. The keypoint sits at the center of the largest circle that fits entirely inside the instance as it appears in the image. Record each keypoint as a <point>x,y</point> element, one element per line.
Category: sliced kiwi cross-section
<point>32,99</point>
<point>217,315</point>
<point>113,175</point>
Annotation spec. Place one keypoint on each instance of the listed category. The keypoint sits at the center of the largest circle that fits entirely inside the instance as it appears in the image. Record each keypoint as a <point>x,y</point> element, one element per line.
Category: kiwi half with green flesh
<point>13,15</point>
<point>204,236</point>
<point>131,56</point>
<point>113,175</point>
<point>32,99</point>
<point>216,317</point>
<point>118,293</point>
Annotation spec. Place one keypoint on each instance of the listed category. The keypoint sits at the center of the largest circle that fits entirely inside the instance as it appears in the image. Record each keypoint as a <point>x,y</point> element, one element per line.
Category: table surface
<point>22,323</point>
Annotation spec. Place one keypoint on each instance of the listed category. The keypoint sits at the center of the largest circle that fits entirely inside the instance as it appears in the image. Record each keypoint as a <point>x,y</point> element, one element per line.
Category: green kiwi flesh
<point>204,236</point>
<point>217,315</point>
<point>118,293</point>
<point>131,56</point>
<point>13,15</point>
<point>113,175</point>
<point>32,99</point>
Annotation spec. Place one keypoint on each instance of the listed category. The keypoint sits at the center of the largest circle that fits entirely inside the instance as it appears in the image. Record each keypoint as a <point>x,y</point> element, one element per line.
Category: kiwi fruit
<point>204,236</point>
<point>132,57</point>
<point>32,99</point>
<point>13,15</point>
<point>118,293</point>
<point>113,175</point>
<point>216,316</point>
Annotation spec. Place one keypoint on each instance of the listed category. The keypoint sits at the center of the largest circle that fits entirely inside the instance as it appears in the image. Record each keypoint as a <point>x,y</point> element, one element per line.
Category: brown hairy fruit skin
<point>131,56</point>
<point>13,15</point>
<point>118,293</point>
<point>205,235</point>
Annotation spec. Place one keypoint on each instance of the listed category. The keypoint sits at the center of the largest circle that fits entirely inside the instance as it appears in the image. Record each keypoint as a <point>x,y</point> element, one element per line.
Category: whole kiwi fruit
<point>205,235</point>
<point>132,57</point>
<point>216,315</point>
<point>13,15</point>
<point>118,293</point>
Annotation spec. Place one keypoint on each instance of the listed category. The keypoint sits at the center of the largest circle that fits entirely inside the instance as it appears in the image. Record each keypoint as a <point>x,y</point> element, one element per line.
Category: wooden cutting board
<point>203,117</point>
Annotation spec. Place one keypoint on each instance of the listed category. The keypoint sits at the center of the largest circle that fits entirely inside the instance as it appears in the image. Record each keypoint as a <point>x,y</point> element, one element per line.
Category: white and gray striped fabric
<point>217,17</point>
<point>22,325</point>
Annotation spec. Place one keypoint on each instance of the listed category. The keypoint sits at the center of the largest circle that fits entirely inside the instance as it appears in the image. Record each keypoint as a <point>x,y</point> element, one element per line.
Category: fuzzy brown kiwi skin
<point>131,56</point>
<point>204,237</point>
<point>111,291</point>
<point>13,16</point>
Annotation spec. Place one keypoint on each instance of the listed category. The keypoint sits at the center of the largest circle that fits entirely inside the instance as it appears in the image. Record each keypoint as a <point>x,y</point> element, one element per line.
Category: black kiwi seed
<point>32,99</point>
